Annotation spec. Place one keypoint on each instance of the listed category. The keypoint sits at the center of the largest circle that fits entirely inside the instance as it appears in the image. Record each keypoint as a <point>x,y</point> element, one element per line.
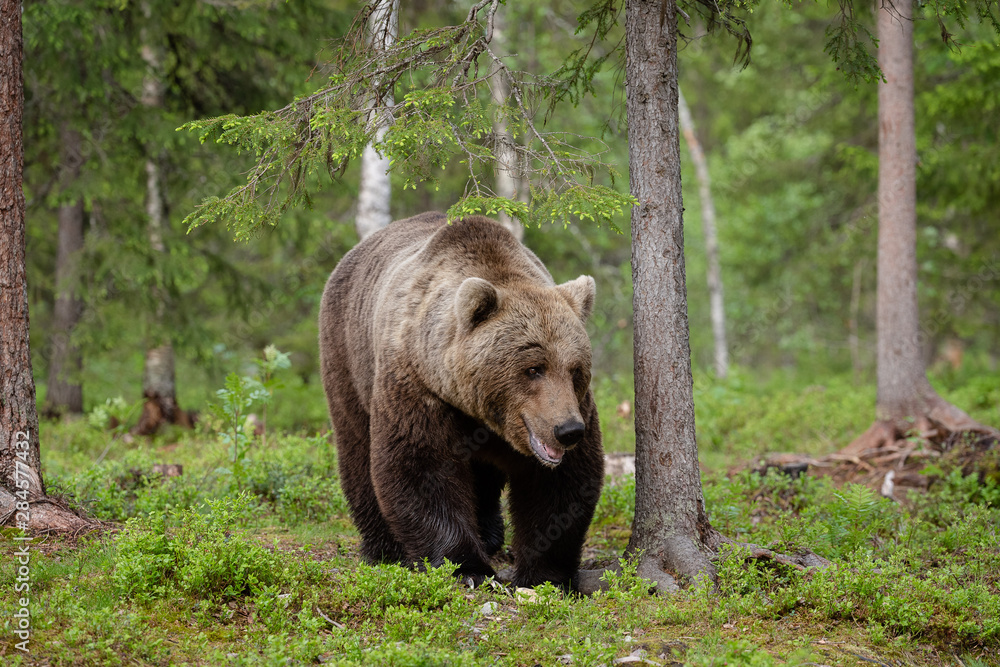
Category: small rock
<point>489,609</point>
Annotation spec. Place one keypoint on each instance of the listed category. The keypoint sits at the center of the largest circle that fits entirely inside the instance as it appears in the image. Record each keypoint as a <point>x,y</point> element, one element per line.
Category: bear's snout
<point>569,433</point>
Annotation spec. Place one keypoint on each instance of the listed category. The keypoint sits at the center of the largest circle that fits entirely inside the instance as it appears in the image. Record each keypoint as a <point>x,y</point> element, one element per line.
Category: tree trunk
<point>903,389</point>
<point>905,398</point>
<point>160,392</point>
<point>375,192</point>
<point>23,499</point>
<point>506,165</point>
<point>158,386</point>
<point>671,526</point>
<point>65,393</point>
<point>671,533</point>
<point>717,309</point>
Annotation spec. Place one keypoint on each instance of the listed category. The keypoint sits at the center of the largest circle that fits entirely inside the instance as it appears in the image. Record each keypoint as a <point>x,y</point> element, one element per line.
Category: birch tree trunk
<point>904,392</point>
<point>23,500</point>
<point>158,385</point>
<point>64,392</point>
<point>375,192</point>
<point>507,162</point>
<point>671,526</point>
<point>715,298</point>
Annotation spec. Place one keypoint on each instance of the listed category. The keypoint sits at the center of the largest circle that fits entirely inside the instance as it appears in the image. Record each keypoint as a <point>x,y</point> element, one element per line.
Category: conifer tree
<point>23,499</point>
<point>450,115</point>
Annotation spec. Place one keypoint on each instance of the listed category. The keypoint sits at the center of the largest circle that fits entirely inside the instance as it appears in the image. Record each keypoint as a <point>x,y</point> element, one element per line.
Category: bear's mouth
<point>550,455</point>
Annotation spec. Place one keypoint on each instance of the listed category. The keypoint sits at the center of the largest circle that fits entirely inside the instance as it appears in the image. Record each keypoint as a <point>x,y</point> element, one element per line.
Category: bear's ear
<point>580,293</point>
<point>475,301</point>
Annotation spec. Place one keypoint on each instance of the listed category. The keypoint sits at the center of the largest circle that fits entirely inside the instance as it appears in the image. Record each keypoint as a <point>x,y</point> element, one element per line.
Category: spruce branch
<point>445,113</point>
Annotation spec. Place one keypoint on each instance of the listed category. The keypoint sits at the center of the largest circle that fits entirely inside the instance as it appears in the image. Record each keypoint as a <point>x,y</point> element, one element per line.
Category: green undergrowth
<point>748,415</point>
<point>260,567</point>
<point>257,576</point>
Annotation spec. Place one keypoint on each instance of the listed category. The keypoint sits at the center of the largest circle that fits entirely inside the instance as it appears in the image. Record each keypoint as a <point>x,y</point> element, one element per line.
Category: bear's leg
<point>551,509</point>
<point>489,485</point>
<point>351,423</point>
<point>425,485</point>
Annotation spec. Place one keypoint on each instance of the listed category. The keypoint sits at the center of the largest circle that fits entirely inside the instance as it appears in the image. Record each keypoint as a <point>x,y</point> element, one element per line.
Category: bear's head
<point>522,359</point>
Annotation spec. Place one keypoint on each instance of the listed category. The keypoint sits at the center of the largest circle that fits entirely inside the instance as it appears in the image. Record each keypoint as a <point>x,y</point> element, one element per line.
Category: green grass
<point>261,568</point>
<point>747,415</point>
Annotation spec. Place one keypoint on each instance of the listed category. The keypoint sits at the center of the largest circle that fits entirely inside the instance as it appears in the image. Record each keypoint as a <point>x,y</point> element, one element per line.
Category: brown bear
<point>453,367</point>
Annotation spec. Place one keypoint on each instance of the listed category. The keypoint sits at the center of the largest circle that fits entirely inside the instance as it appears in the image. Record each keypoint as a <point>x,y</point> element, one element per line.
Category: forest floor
<point>254,561</point>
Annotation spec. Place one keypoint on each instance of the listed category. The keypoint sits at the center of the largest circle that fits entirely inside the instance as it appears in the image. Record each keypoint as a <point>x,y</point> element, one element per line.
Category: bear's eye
<point>534,371</point>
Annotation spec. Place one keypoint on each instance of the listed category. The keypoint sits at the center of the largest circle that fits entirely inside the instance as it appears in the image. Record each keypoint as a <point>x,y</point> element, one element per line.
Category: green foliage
<point>624,584</point>
<point>117,488</point>
<point>793,177</point>
<point>235,399</point>
<point>416,654</point>
<point>617,503</point>
<point>595,203</point>
<point>851,43</point>
<point>890,569</point>
<point>794,172</point>
<point>84,73</point>
<point>446,112</point>
<point>197,552</point>
<point>114,415</point>
<point>833,523</point>
<point>238,396</point>
<point>193,576</point>
<point>306,497</point>
<point>377,590</point>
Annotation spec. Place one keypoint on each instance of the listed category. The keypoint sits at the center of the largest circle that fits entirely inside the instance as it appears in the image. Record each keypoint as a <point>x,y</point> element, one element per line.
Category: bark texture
<point>65,393</point>
<point>375,192</point>
<point>671,526</point>
<point>904,393</point>
<point>17,386</point>
<point>715,297</point>
<point>20,464</point>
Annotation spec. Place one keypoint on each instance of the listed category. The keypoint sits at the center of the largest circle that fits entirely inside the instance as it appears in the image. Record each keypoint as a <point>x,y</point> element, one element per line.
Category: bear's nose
<point>569,433</point>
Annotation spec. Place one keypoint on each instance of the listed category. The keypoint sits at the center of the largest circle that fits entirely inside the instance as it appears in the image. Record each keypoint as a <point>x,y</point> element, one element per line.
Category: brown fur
<point>427,335</point>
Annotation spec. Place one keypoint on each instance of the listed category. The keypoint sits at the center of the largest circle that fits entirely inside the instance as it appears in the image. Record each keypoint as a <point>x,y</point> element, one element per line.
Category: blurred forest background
<point>791,146</point>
